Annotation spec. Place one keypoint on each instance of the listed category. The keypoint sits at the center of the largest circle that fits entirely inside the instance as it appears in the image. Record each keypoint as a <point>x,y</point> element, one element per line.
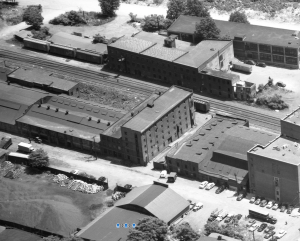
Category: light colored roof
<point>16,154</point>
<point>132,44</point>
<point>160,52</point>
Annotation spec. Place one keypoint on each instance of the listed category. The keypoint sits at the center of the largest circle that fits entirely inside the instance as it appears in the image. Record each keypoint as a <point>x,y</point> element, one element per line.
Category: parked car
<point>270,228</point>
<point>280,233</point>
<point>102,179</point>
<point>272,220</point>
<point>262,227</point>
<point>263,203</point>
<point>289,210</point>
<point>128,186</point>
<point>280,84</point>
<point>254,227</point>
<point>275,207</point>
<point>249,61</point>
<point>257,202</point>
<point>211,218</point>
<point>252,200</point>
<point>229,217</point>
<point>273,239</point>
<point>251,220</point>
<point>210,186</point>
<point>282,208</point>
<point>269,235</point>
<point>261,64</point>
<point>240,197</point>
<point>163,174</point>
<point>192,205</point>
<point>270,204</point>
<point>198,206</point>
<point>239,216</point>
<point>220,189</point>
<point>203,184</point>
<point>75,172</point>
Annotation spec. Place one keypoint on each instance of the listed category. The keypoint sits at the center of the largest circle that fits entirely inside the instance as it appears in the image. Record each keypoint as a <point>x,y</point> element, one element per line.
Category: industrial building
<point>36,78</point>
<point>202,68</point>
<point>155,200</point>
<point>274,169</point>
<point>218,152</point>
<point>274,46</point>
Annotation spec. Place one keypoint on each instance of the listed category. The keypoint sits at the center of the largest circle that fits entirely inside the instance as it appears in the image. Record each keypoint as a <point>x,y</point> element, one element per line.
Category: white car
<point>280,233</point>
<point>203,184</point>
<point>254,227</point>
<point>74,172</point>
<point>209,186</point>
<point>163,174</point>
<point>270,204</point>
<point>275,207</point>
<point>198,206</point>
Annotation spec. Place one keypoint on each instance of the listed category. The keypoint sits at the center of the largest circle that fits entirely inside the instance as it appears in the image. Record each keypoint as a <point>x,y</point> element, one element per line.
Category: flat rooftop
<point>163,104</point>
<point>234,78</point>
<point>202,53</point>
<point>294,117</point>
<point>164,53</point>
<point>253,33</point>
<point>41,77</point>
<point>283,150</point>
<point>132,44</point>
<point>77,42</point>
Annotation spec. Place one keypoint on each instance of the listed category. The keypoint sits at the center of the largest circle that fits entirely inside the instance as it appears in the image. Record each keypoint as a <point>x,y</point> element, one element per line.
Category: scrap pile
<point>118,195</point>
<point>9,170</point>
<point>77,185</point>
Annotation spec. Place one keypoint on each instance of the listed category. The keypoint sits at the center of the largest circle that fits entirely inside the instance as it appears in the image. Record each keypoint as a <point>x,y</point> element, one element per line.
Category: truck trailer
<point>25,147</point>
<point>262,215</point>
<point>242,67</point>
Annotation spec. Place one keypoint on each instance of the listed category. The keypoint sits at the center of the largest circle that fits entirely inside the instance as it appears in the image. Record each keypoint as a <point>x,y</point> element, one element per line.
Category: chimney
<point>170,41</point>
<point>67,112</point>
<point>108,123</point>
<point>90,118</point>
<point>219,237</point>
<point>98,121</point>
<point>57,109</point>
<point>48,107</point>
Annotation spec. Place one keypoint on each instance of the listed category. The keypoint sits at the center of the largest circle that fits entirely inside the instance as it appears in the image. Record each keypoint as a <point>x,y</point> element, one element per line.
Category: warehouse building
<point>151,126</point>
<point>36,78</point>
<point>155,200</point>
<point>218,152</point>
<point>274,46</point>
<point>274,169</point>
<point>176,62</point>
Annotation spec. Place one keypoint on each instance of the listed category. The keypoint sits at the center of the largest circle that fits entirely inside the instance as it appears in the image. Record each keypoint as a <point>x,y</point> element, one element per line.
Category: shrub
<point>71,18</point>
<point>38,158</point>
<point>167,23</point>
<point>133,17</point>
<point>109,203</point>
<point>153,22</point>
<point>14,20</point>
<point>42,34</point>
<point>158,2</point>
<point>238,17</point>
<point>109,7</point>
<point>260,87</point>
<point>273,102</point>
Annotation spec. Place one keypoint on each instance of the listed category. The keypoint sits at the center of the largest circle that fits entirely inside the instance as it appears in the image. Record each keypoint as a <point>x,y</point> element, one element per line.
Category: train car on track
<point>36,44</point>
<point>89,56</point>
<point>202,106</point>
<point>62,50</point>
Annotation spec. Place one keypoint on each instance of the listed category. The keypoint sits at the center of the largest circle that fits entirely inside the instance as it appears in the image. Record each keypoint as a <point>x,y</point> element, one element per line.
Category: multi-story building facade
<point>274,46</point>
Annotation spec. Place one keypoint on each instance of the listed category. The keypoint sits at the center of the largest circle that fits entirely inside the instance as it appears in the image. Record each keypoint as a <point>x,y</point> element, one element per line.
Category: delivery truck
<point>25,147</point>
<point>242,67</point>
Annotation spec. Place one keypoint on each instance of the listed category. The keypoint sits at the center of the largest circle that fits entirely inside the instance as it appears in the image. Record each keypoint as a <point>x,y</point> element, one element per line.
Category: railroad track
<point>129,84</point>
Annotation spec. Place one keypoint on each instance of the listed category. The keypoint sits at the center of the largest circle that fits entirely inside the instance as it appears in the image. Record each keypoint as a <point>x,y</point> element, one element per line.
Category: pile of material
<point>16,173</point>
<point>118,195</point>
<point>9,170</point>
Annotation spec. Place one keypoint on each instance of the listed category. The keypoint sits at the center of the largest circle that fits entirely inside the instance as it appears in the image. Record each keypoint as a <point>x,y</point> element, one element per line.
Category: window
<point>265,48</point>
<point>185,166</point>
<point>128,157</point>
<point>291,52</point>
<point>266,57</point>
<point>290,60</point>
<point>277,50</point>
<point>278,58</point>
<point>177,164</point>
<point>251,46</point>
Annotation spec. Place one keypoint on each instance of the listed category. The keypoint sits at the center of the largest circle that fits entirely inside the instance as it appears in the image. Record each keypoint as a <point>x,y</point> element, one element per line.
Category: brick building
<point>176,62</point>
<point>274,46</point>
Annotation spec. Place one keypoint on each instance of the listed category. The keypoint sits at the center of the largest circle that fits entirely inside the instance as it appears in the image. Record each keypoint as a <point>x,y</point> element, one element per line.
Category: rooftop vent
<point>98,121</point>
<point>39,105</point>
<point>67,112</point>
<point>48,107</point>
<point>108,123</point>
<point>90,118</point>
<point>169,42</point>
<point>212,49</point>
<point>57,109</point>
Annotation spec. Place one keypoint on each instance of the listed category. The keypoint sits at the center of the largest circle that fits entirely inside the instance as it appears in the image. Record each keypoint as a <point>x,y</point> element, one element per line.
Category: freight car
<point>89,56</point>
<point>242,67</point>
<point>62,50</point>
<point>36,44</point>
<point>202,106</point>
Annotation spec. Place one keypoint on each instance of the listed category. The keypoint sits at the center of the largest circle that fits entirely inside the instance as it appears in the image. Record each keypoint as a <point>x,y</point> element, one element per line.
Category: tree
<point>207,29</point>
<point>167,23</point>
<point>175,8</point>
<point>238,17</point>
<point>39,158</point>
<point>148,228</point>
<point>196,8</point>
<point>184,232</point>
<point>225,37</point>
<point>33,16</point>
<point>153,22</point>
<point>260,87</point>
<point>109,7</point>
<point>40,34</point>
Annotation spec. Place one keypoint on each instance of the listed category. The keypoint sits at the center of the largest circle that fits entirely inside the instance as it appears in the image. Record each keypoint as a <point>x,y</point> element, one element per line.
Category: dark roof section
<point>103,228</point>
<point>77,42</point>
<point>253,33</point>
<point>162,202</point>
<point>162,105</point>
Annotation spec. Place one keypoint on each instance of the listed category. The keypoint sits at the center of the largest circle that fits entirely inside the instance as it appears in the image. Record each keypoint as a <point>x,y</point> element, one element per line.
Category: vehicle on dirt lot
<point>280,233</point>
<point>242,67</point>
<point>203,184</point>
<point>211,219</point>
<point>289,210</point>
<point>163,174</point>
<point>249,61</point>
<point>270,228</point>
<point>128,186</point>
<point>270,204</point>
<point>257,202</point>
<point>220,189</point>
<point>240,197</point>
<point>262,215</point>
<point>75,172</point>
<point>172,177</point>
<point>269,235</point>
<point>254,227</point>
<point>198,206</point>
<point>282,208</point>
<point>280,84</point>
<point>210,186</point>
<point>252,200</point>
<point>261,64</point>
<point>262,227</point>
<point>275,207</point>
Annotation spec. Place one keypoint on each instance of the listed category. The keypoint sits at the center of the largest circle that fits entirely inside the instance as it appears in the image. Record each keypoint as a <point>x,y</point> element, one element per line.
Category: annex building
<point>154,200</point>
<point>202,67</point>
<point>218,152</point>
<point>274,46</point>
<point>274,169</point>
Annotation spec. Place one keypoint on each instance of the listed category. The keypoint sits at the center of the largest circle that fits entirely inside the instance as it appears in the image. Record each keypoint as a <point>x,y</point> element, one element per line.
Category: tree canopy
<point>175,8</point>
<point>153,22</point>
<point>196,8</point>
<point>148,228</point>
<point>207,29</point>
<point>109,7</point>
<point>38,158</point>
<point>33,16</point>
<point>184,232</point>
<point>238,17</point>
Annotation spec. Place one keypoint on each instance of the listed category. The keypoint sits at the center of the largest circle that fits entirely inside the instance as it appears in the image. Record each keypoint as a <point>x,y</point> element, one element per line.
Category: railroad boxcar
<point>90,56</point>
<point>242,67</point>
<point>36,44</point>
<point>202,106</point>
<point>62,50</point>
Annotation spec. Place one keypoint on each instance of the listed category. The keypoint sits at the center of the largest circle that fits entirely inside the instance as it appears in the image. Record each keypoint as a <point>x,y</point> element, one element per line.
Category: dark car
<point>273,239</point>
<point>270,228</point>
<point>269,235</point>
<point>282,208</point>
<point>101,179</point>
<point>262,227</point>
<point>261,64</point>
<point>272,220</point>
<point>211,218</point>
<point>257,201</point>
<point>263,203</point>
<point>128,186</point>
<point>280,84</point>
<point>238,217</point>
<point>220,189</point>
<point>240,197</point>
<point>249,61</point>
<point>289,210</point>
<point>299,210</point>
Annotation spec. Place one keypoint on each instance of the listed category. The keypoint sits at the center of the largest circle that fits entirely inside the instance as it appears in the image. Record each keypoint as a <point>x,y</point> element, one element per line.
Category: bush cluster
<point>71,18</point>
<point>42,33</point>
<point>274,102</point>
<point>84,174</point>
